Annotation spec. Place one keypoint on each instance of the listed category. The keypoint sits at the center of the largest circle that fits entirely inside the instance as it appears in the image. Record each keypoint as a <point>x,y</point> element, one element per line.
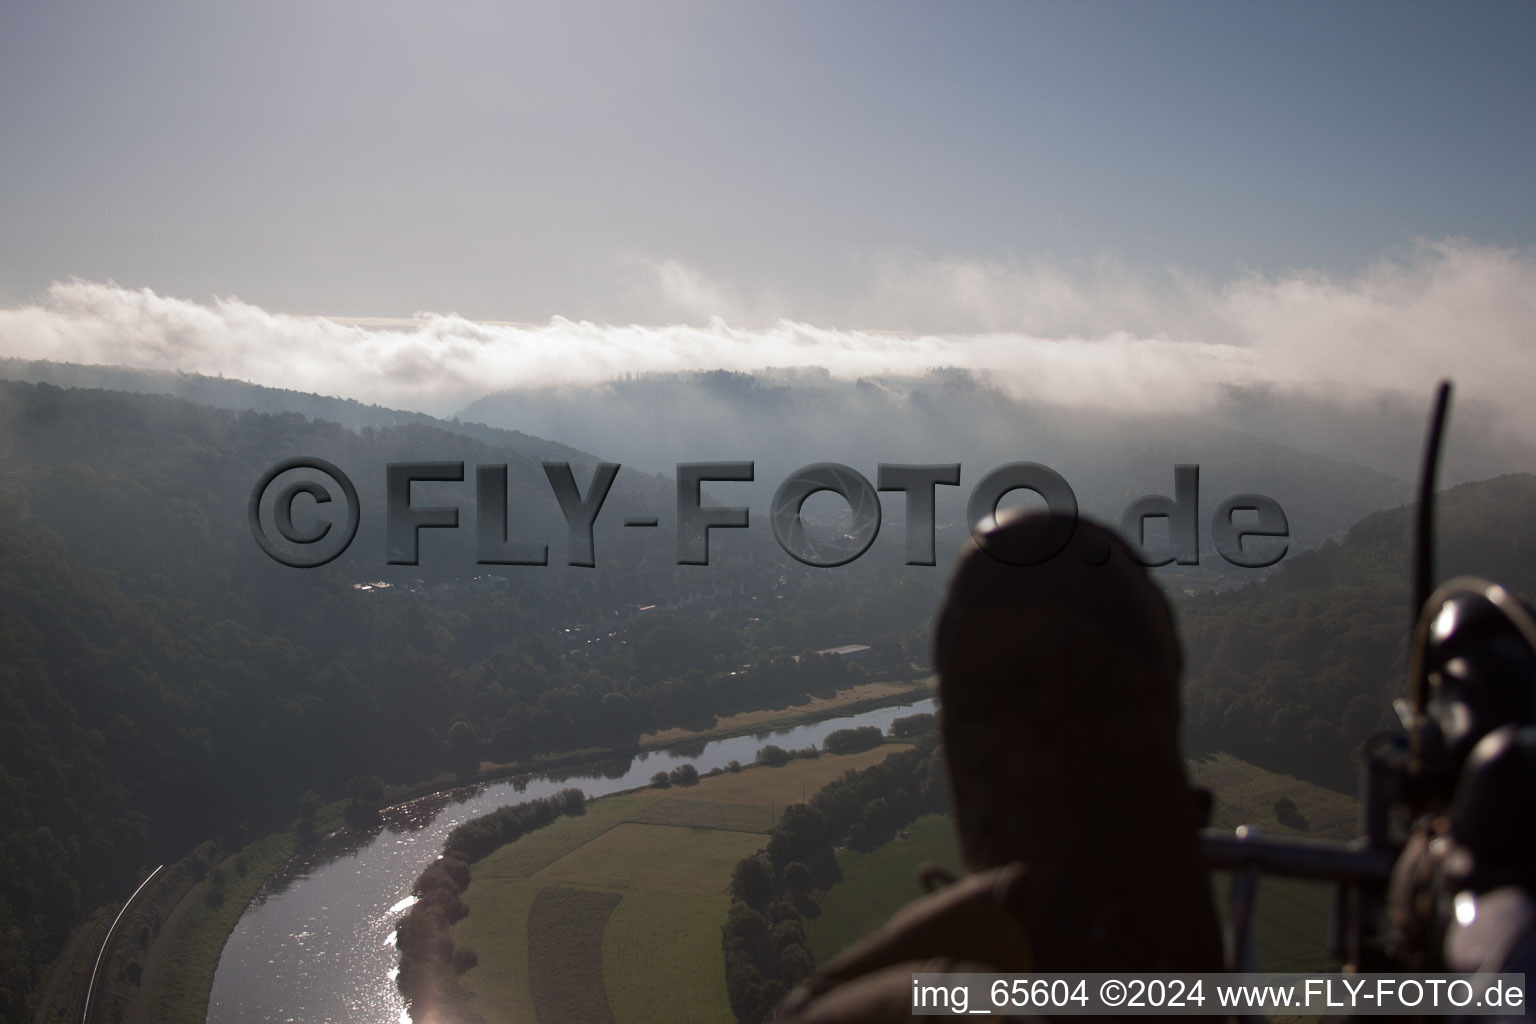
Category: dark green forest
<point>1295,672</point>
<point>163,682</point>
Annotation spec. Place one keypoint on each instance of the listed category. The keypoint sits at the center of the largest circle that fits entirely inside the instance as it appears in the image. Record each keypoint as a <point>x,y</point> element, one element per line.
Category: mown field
<point>840,702</point>
<point>1293,916</point>
<point>615,914</point>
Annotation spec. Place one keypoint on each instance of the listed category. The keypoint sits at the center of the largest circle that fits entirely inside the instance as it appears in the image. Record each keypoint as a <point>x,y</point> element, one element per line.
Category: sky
<point>1112,200</point>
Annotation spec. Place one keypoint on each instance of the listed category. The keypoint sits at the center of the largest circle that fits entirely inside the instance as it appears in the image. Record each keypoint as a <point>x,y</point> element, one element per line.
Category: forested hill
<point>163,682</point>
<point>1294,672</point>
<point>786,419</point>
<point>227,393</point>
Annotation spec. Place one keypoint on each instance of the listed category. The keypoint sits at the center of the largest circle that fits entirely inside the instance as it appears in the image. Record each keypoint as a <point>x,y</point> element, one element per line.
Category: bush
<point>912,725</point>
<point>1287,814</point>
<point>685,775</point>
<point>774,755</point>
<point>847,741</point>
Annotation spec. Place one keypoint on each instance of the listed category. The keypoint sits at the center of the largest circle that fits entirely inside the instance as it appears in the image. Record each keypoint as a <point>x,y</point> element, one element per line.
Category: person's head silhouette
<point>1059,712</point>
<point>1059,690</point>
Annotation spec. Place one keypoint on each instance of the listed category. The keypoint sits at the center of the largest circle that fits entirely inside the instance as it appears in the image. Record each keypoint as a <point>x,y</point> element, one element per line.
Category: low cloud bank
<point>1102,337</point>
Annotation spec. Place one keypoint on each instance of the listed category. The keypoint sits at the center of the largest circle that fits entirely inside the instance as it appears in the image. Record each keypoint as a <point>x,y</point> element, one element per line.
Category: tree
<point>660,780</point>
<point>798,878</point>
<point>685,775</point>
<point>871,827</point>
<point>218,883</point>
<point>787,933</point>
<point>800,835</point>
<point>1287,814</point>
<point>367,796</point>
<point>795,964</point>
<point>752,882</point>
<point>304,832</point>
<point>746,929</point>
<point>846,741</point>
<point>463,746</point>
<point>912,725</point>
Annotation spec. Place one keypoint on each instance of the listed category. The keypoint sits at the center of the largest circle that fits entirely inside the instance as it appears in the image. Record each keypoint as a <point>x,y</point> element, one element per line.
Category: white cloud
<point>1103,335</point>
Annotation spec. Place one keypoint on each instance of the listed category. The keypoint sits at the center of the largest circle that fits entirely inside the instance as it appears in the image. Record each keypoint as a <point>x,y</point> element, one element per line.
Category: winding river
<point>318,946</point>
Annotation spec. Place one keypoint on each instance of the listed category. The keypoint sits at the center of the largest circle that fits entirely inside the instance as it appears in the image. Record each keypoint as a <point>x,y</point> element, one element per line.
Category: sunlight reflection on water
<point>318,945</point>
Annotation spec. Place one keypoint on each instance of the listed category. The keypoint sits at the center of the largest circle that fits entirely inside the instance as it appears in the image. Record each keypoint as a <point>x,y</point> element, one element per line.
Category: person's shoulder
<point>964,926</point>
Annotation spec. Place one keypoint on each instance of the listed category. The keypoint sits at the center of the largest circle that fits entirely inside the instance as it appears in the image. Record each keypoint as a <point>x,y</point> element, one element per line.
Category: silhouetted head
<point>1059,690</point>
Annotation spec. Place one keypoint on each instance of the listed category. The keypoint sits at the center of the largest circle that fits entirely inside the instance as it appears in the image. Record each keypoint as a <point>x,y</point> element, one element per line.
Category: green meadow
<point>615,914</point>
<point>1293,916</point>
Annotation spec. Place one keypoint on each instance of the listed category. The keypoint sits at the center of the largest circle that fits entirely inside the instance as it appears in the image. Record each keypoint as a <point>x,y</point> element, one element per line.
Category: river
<point>318,947</point>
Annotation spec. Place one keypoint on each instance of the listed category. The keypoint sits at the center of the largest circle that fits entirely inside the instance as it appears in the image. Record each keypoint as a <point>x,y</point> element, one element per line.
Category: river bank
<point>321,947</point>
<point>166,959</point>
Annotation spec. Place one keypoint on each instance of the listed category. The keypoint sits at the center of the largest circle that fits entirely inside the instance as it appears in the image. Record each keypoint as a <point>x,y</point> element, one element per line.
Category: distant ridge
<point>1296,671</point>
<point>786,419</point>
<point>228,393</point>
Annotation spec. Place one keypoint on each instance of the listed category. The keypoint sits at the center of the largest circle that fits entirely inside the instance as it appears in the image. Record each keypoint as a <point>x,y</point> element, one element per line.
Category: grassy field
<point>565,955</point>
<point>878,883</point>
<point>838,703</point>
<point>495,930</point>
<point>1293,916</point>
<point>653,866</point>
<point>709,814</point>
<point>662,858</point>
<point>792,783</point>
<point>1246,795</point>
<point>187,950</point>
<point>547,845</point>
<point>644,987</point>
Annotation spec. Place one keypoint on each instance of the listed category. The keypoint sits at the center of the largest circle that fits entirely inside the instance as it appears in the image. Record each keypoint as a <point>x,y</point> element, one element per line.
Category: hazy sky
<point>1286,187</point>
<point>511,161</point>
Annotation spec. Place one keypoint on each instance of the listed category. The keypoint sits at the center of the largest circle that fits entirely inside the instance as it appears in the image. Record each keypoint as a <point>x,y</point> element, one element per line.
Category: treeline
<point>911,726</point>
<point>849,741</point>
<point>775,756</point>
<point>764,932</point>
<point>430,965</point>
<point>682,775</point>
